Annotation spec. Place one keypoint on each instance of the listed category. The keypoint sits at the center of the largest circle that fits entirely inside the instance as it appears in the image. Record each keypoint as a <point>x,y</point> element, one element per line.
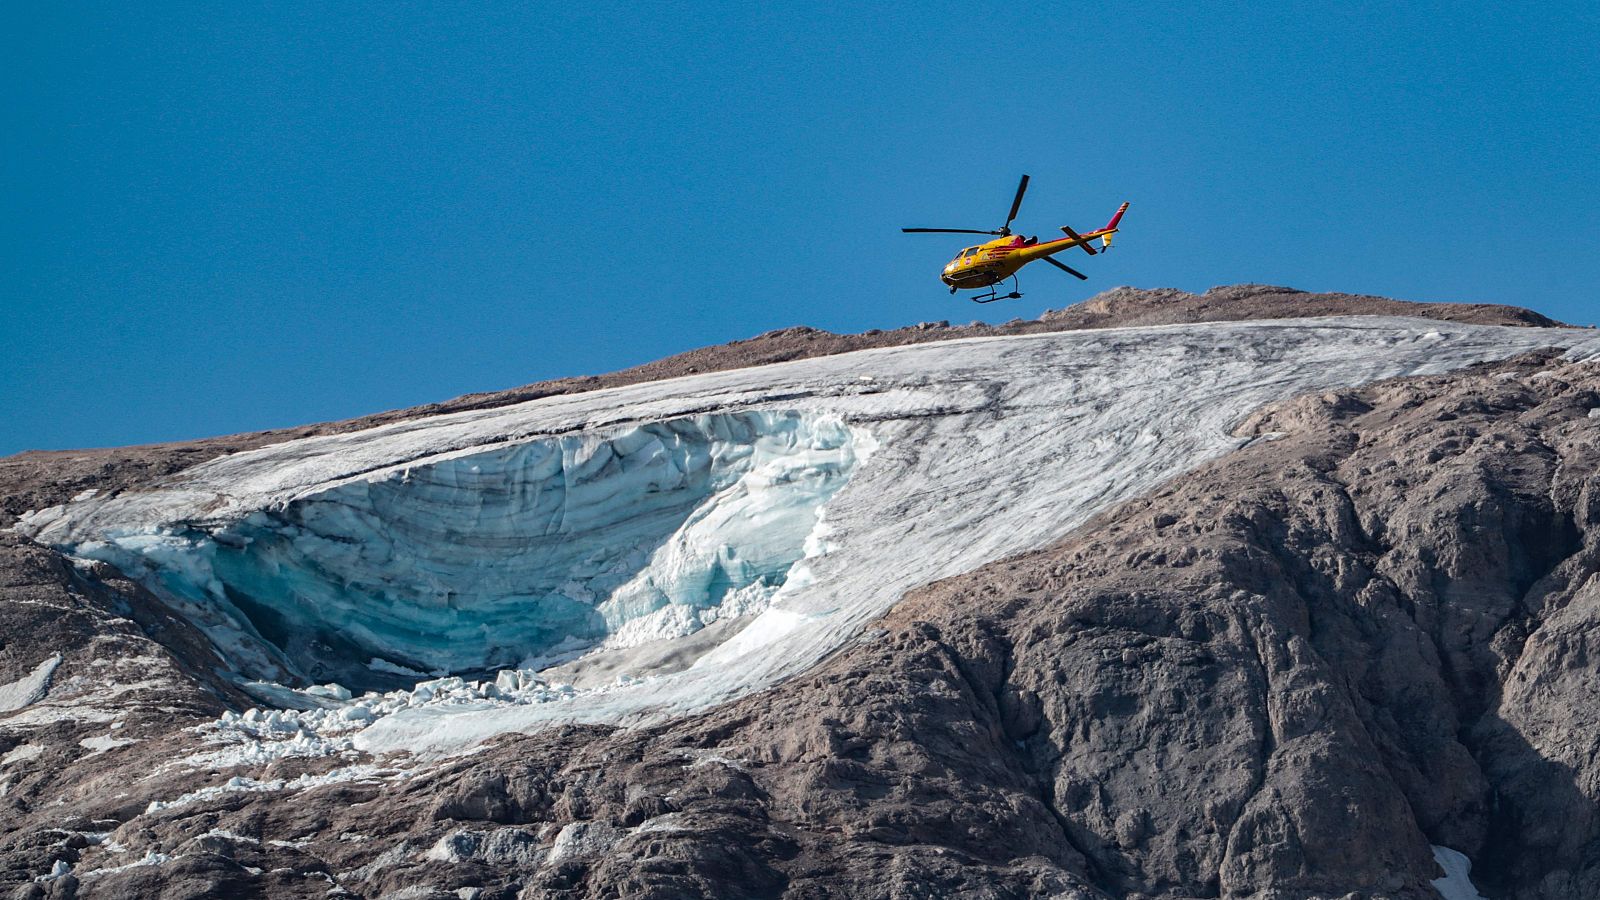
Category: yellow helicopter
<point>988,264</point>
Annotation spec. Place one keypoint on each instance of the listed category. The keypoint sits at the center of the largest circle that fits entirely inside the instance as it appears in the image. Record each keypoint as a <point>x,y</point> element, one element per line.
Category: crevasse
<point>513,556</point>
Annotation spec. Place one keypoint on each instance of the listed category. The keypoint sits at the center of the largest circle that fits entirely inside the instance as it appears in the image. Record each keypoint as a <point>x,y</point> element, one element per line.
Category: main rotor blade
<point>1079,238</point>
<point>1016,204</point>
<point>1067,269</point>
<point>946,231</point>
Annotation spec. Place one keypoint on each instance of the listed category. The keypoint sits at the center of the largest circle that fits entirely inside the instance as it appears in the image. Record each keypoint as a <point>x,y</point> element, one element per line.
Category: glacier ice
<point>868,473</point>
<point>510,556</point>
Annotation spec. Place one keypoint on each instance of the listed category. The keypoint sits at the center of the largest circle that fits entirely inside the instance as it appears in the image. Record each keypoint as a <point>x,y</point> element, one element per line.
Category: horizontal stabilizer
<point>1079,238</point>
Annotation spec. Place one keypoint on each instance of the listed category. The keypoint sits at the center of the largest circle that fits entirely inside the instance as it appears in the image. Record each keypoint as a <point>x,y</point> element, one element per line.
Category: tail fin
<point>1105,239</point>
<point>1112,225</point>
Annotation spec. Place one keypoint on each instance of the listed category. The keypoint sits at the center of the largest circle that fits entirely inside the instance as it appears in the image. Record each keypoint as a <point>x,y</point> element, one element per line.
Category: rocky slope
<point>1283,675</point>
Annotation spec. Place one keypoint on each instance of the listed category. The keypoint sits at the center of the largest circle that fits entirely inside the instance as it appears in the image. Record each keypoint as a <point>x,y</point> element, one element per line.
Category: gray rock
<point>500,847</point>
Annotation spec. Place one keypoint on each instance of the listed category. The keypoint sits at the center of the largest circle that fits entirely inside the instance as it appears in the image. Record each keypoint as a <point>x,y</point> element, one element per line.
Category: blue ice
<point>520,553</point>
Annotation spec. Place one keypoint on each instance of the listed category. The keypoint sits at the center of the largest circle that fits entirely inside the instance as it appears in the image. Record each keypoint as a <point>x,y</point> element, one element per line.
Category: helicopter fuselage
<point>990,263</point>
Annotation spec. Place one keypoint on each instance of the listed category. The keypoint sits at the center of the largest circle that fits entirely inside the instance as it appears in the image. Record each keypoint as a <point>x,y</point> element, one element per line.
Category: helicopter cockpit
<point>961,257</point>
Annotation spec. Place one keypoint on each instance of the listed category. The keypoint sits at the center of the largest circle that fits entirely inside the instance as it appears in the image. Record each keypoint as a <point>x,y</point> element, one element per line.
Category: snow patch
<point>1455,885</point>
<point>30,688</point>
<point>101,743</point>
<point>230,836</point>
<point>22,754</point>
<point>58,869</point>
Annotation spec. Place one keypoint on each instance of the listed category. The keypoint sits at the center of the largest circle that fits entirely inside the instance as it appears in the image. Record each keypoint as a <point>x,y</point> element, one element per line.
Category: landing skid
<point>994,294</point>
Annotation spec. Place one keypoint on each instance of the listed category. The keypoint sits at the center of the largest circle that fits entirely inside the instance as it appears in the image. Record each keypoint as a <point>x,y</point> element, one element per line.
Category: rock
<point>581,840</point>
<point>498,847</point>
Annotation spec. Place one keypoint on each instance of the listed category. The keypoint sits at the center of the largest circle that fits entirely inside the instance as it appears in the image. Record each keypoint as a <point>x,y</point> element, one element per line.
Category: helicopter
<point>989,264</point>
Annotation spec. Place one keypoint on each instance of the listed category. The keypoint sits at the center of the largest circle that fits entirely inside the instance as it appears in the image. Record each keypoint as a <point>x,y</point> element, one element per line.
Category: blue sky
<point>221,217</point>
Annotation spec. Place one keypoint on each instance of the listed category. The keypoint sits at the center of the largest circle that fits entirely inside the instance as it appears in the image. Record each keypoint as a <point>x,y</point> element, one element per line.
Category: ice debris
<point>259,736</point>
<point>364,772</point>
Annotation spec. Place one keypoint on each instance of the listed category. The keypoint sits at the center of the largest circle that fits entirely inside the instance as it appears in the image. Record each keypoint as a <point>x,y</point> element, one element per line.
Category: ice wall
<point>512,556</point>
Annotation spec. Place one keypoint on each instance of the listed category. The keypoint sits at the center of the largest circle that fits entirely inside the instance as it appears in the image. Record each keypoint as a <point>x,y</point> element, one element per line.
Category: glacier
<point>643,551</point>
<point>510,557</point>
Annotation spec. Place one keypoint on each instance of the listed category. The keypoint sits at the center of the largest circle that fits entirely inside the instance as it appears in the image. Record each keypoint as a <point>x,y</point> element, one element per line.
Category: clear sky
<point>230,216</point>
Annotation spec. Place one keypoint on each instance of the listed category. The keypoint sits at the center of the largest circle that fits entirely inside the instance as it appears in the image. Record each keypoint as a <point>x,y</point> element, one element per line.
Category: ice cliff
<point>508,556</point>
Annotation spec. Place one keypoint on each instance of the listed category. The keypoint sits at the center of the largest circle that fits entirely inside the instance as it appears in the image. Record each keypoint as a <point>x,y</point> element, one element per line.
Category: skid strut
<point>994,294</point>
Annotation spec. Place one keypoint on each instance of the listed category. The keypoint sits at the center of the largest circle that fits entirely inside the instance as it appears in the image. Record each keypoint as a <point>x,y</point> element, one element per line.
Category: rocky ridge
<point>37,479</point>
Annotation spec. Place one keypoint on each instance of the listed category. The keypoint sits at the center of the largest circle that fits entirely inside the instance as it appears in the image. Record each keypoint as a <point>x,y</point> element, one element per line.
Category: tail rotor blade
<point>1016,203</point>
<point>1067,269</point>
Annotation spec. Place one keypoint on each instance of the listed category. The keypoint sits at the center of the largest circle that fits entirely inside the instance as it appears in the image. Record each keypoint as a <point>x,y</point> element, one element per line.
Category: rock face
<point>1282,676</point>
